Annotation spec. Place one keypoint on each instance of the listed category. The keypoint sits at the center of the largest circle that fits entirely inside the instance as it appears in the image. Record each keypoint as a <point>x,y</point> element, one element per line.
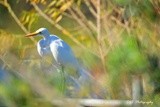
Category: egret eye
<point>40,32</point>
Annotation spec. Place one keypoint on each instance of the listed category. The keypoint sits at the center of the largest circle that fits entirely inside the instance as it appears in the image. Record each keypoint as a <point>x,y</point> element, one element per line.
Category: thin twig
<point>15,17</point>
<point>77,19</point>
<point>94,3</point>
<point>98,21</point>
<point>83,17</point>
<point>80,22</point>
<point>87,2</point>
<point>99,36</point>
<point>6,4</point>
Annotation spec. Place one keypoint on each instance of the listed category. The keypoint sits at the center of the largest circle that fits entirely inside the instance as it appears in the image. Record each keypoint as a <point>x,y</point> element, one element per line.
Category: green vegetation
<point>115,40</point>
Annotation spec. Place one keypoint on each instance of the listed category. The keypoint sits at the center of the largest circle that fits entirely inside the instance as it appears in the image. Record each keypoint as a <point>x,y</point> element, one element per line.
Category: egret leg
<point>63,80</point>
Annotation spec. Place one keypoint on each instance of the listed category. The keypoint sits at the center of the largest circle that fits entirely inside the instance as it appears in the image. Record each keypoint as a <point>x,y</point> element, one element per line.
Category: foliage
<point>117,38</point>
<point>130,58</point>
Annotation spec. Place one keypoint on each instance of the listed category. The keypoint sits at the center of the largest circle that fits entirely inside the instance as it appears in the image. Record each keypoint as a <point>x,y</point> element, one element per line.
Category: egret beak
<point>32,34</point>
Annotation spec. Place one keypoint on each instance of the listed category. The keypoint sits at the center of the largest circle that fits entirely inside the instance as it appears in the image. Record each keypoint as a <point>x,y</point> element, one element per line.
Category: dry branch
<point>7,5</point>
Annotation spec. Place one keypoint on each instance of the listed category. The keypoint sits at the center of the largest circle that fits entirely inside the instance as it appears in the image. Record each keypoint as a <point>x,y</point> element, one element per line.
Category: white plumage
<point>63,55</point>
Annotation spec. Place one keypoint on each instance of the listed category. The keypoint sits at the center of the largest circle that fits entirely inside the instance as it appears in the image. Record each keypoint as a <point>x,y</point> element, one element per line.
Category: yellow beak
<point>32,34</point>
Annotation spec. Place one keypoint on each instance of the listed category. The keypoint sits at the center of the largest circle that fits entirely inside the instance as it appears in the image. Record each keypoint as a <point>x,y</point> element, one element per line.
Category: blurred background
<point>118,41</point>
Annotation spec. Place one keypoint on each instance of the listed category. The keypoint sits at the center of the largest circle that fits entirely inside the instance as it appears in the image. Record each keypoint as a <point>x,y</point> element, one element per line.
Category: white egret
<point>63,55</point>
<point>60,50</point>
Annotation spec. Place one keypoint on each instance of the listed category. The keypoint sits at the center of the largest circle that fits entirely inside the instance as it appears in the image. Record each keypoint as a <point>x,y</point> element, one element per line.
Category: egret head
<point>42,31</point>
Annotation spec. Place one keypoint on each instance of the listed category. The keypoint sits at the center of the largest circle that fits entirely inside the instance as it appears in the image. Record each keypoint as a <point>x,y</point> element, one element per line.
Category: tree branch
<point>59,27</point>
<point>99,35</point>
<point>90,8</point>
<point>84,19</point>
<point>81,23</point>
<point>7,5</point>
<point>15,17</point>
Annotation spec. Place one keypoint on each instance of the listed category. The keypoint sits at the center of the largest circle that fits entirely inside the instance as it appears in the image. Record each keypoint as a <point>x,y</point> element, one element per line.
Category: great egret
<point>60,50</point>
<point>64,56</point>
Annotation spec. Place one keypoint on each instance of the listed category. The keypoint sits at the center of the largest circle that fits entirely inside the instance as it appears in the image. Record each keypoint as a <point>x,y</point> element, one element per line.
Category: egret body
<point>60,50</point>
<point>63,55</point>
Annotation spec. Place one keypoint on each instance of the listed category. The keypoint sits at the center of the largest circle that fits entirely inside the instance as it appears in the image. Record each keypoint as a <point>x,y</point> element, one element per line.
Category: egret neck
<point>46,35</point>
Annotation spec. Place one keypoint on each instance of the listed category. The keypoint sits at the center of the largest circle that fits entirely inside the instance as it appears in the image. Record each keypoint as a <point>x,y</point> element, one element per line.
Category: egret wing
<point>43,48</point>
<point>63,53</point>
